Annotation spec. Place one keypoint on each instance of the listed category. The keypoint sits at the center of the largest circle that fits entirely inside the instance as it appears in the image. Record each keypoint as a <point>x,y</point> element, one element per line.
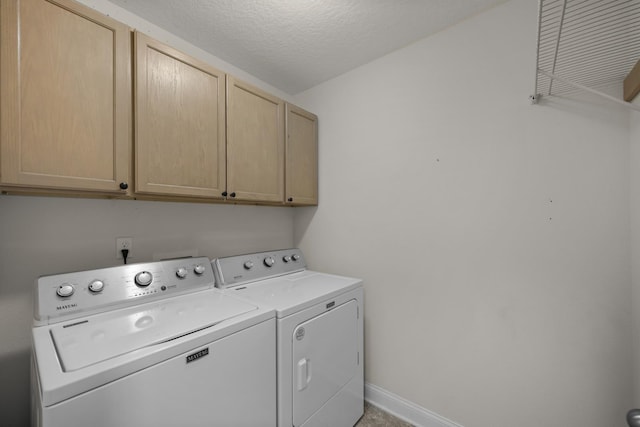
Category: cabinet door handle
<point>224,194</point>
<point>233,194</point>
<point>124,185</point>
<point>290,199</point>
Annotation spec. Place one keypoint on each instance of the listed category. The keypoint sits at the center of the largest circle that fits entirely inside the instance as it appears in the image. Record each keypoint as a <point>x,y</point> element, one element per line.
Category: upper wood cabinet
<point>255,144</point>
<point>65,86</point>
<point>66,118</point>
<point>179,123</point>
<point>301,157</point>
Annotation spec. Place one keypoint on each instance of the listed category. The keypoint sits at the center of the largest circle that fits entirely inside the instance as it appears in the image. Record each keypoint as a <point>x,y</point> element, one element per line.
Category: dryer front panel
<point>325,358</point>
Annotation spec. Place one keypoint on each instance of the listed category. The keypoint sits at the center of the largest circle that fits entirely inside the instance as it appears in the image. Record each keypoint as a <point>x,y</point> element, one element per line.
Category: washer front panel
<point>228,381</point>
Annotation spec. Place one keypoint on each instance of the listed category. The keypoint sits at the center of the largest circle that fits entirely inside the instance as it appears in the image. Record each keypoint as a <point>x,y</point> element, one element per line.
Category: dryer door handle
<point>304,373</point>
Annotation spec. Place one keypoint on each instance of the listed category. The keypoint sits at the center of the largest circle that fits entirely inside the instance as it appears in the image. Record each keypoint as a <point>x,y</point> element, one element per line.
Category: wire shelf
<point>586,45</point>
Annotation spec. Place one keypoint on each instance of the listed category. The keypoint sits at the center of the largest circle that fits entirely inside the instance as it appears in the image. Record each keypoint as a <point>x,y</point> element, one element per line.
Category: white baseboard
<point>403,409</point>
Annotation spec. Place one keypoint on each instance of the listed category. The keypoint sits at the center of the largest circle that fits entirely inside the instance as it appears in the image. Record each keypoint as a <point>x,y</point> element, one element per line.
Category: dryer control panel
<point>66,296</point>
<point>240,269</point>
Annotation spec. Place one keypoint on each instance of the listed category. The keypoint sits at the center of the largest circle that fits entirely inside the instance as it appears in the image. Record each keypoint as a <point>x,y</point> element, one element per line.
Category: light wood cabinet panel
<point>301,171</point>
<point>255,144</point>
<point>65,97</point>
<point>180,123</point>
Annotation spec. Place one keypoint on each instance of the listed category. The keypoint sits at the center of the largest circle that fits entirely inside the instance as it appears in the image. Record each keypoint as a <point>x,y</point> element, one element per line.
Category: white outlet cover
<point>120,241</point>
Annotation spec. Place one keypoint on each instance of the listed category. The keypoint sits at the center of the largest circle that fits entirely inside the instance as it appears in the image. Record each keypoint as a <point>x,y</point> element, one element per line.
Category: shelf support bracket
<point>588,89</point>
<point>632,83</point>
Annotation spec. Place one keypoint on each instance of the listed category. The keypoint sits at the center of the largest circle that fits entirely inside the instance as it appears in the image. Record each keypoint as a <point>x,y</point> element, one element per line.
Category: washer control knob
<point>198,269</point>
<point>144,278</point>
<point>269,261</point>
<point>295,257</point>
<point>65,290</point>
<point>181,273</point>
<point>96,286</point>
<point>248,265</point>
<point>286,258</point>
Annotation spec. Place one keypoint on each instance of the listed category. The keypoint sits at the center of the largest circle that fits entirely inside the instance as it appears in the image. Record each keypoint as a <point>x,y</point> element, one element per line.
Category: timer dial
<point>96,286</point>
<point>269,261</point>
<point>198,269</point>
<point>181,273</point>
<point>65,290</point>
<point>144,278</point>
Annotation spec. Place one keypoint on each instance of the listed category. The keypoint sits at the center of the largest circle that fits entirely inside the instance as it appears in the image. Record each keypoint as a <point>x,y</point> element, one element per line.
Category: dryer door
<point>325,358</point>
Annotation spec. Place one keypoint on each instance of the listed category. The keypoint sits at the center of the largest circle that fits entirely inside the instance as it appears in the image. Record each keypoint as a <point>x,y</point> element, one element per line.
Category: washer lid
<point>84,342</point>
<point>293,292</point>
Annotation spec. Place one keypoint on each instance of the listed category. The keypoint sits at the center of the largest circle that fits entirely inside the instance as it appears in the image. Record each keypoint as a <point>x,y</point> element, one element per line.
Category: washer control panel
<point>68,295</point>
<point>237,270</point>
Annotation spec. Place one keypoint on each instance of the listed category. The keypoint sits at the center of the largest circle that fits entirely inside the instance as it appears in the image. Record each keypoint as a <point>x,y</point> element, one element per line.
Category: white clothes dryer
<point>319,334</point>
<point>150,345</point>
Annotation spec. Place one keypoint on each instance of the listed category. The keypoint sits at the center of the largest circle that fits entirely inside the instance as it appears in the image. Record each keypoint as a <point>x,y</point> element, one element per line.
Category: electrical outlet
<point>124,243</point>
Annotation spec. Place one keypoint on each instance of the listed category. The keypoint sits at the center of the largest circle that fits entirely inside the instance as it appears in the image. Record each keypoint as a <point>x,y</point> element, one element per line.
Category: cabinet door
<point>301,169</point>
<point>66,97</point>
<point>180,123</point>
<point>255,144</point>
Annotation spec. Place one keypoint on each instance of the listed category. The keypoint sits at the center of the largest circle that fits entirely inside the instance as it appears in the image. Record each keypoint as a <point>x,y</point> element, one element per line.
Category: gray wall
<point>635,247</point>
<point>493,235</point>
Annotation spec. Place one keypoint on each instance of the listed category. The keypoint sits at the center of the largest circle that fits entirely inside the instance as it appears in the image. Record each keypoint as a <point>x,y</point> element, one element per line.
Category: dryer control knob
<point>295,257</point>
<point>286,258</point>
<point>198,269</point>
<point>144,278</point>
<point>65,290</point>
<point>181,273</point>
<point>269,261</point>
<point>248,265</point>
<point>96,286</point>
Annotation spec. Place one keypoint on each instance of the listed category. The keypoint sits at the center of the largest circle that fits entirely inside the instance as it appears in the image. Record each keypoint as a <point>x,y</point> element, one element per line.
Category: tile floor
<point>375,417</point>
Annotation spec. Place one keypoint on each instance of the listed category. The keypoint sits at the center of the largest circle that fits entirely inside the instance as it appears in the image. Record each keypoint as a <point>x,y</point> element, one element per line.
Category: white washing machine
<point>319,334</point>
<point>150,345</point>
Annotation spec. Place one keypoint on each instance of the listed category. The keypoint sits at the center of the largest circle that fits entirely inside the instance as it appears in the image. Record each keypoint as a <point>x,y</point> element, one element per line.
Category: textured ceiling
<point>297,44</point>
